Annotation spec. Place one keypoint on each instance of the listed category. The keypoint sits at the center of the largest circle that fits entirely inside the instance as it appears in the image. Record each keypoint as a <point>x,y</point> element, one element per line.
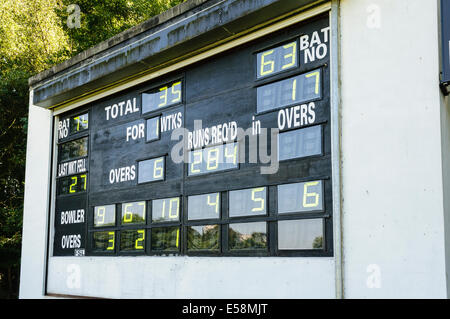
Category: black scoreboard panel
<point>230,156</point>
<point>72,183</point>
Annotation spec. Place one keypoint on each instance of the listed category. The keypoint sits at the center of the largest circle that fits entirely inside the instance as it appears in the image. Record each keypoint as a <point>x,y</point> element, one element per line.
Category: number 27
<point>75,182</point>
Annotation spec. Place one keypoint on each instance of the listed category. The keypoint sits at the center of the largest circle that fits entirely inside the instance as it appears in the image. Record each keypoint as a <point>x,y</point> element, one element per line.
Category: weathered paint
<point>189,32</point>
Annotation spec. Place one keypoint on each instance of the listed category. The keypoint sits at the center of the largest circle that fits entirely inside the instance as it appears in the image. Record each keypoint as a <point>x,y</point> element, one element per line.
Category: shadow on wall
<point>9,273</point>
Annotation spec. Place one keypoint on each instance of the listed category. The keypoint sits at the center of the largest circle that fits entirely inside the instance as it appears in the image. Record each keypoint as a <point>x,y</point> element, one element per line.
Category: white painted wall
<point>445,140</point>
<point>445,129</point>
<point>192,277</point>
<point>393,218</point>
<point>35,216</point>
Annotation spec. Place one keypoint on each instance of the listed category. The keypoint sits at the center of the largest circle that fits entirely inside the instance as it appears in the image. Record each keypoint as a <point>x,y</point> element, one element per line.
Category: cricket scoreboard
<point>230,156</point>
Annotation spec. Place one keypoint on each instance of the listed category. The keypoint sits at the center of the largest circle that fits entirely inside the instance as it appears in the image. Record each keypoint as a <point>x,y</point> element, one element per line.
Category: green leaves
<point>31,37</point>
<point>101,20</point>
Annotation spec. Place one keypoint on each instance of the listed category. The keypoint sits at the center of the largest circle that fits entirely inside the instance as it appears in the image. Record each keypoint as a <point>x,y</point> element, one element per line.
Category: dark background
<point>445,29</point>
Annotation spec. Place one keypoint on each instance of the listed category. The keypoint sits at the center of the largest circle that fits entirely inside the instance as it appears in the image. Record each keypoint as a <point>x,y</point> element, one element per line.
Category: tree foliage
<point>30,36</point>
<point>34,35</point>
<point>101,19</point>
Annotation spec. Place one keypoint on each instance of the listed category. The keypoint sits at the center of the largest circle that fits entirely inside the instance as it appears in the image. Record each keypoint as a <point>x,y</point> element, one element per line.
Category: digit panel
<point>71,125</point>
<point>133,213</point>
<point>104,216</point>
<point>162,97</point>
<point>203,238</point>
<point>207,206</point>
<point>151,170</point>
<point>152,129</point>
<point>248,236</point>
<point>300,143</point>
<point>166,210</point>
<point>302,234</point>
<point>298,89</point>
<point>276,60</point>
<point>165,240</point>
<point>104,242</point>
<point>248,202</point>
<point>79,123</point>
<point>132,240</point>
<point>213,159</point>
<point>72,185</point>
<point>300,197</point>
<point>73,149</point>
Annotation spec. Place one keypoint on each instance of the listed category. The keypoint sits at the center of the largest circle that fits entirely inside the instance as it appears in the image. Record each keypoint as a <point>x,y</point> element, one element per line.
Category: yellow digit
<point>101,215</point>
<point>215,204</point>
<point>163,213</point>
<point>79,119</point>
<point>256,199</point>
<point>74,179</point>
<point>78,122</point>
<point>163,96</point>
<point>307,195</point>
<point>270,63</point>
<point>85,180</point>
<point>158,171</point>
<point>176,92</point>
<point>292,55</point>
<point>110,241</point>
<point>317,75</point>
<point>212,159</point>
<point>177,200</point>
<point>138,244</point>
<point>294,90</point>
<point>178,238</point>
<point>234,155</point>
<point>199,152</point>
<point>128,216</point>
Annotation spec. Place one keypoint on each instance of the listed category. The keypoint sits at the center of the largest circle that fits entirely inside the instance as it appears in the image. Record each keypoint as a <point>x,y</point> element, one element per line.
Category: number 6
<point>156,169</point>
<point>271,63</point>
<point>128,216</point>
<point>306,195</point>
